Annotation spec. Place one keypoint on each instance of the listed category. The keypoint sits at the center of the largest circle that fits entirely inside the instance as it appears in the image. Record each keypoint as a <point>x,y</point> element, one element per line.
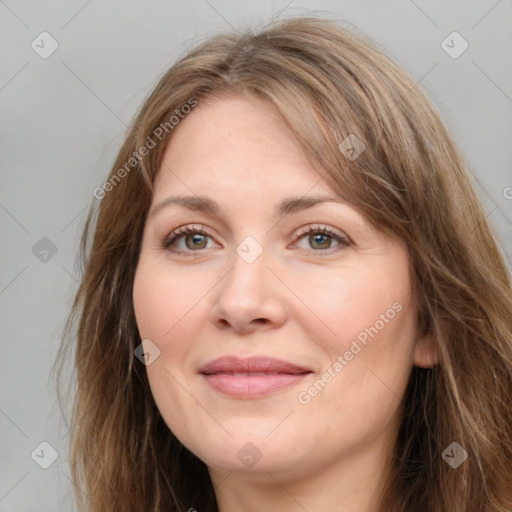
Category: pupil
<point>197,238</point>
<point>319,236</point>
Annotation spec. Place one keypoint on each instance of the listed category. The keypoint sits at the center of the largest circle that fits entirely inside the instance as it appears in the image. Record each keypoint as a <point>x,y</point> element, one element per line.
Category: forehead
<point>236,143</point>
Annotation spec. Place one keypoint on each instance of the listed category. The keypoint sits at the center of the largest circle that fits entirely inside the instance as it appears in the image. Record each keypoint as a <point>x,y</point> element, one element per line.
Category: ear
<point>425,352</point>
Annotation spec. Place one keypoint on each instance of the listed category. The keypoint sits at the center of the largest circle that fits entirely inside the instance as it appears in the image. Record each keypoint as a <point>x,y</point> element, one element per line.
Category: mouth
<point>254,377</point>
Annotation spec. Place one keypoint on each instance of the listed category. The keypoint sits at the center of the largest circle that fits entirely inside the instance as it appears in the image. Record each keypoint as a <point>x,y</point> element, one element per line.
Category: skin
<point>303,299</point>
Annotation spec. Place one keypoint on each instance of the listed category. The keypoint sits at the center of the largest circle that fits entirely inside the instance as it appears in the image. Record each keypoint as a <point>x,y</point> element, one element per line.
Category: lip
<point>251,377</point>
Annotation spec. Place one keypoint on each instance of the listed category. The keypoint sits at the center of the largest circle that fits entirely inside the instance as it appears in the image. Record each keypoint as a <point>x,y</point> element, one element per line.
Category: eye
<point>321,238</point>
<point>193,237</point>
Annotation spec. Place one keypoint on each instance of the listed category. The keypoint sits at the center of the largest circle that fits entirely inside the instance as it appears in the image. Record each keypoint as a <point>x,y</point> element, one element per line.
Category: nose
<point>250,297</point>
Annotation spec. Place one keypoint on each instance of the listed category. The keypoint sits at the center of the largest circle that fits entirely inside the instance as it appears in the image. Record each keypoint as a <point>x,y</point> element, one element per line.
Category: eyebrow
<point>204,204</point>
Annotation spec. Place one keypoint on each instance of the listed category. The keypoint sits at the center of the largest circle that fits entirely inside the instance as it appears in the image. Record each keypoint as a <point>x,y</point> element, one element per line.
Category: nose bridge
<point>248,292</point>
<point>246,282</point>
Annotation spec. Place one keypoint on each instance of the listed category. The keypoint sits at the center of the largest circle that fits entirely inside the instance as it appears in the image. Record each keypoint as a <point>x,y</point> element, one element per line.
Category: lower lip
<point>251,386</point>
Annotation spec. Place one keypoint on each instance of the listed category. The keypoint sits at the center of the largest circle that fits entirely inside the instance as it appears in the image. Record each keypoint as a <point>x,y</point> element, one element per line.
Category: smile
<point>252,377</point>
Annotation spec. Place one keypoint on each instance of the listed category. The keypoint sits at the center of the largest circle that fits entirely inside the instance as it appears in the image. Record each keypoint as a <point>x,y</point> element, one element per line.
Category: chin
<point>251,454</point>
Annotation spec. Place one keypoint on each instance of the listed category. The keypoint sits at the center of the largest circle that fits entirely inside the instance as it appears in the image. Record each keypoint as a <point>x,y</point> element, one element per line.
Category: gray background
<point>63,119</point>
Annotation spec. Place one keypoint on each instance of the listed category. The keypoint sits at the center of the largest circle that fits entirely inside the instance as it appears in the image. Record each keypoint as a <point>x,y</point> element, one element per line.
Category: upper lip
<point>232,364</point>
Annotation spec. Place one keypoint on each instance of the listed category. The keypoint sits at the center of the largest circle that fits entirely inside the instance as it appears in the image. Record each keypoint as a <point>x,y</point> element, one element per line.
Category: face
<point>309,304</point>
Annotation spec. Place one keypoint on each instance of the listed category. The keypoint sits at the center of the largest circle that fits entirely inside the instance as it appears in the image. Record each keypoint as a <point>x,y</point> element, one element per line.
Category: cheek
<point>162,301</point>
<point>351,301</point>
<point>373,319</point>
<point>164,310</point>
<point>359,398</point>
<point>172,307</point>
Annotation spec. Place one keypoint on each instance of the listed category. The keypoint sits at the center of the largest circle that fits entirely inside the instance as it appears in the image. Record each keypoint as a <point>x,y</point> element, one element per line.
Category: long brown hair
<point>410,182</point>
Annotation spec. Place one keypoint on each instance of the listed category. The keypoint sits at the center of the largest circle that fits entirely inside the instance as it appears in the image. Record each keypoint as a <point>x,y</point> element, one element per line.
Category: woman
<point>292,299</point>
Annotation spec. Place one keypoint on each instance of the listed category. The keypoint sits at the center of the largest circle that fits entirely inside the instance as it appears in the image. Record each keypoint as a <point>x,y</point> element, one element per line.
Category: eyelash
<point>187,230</point>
